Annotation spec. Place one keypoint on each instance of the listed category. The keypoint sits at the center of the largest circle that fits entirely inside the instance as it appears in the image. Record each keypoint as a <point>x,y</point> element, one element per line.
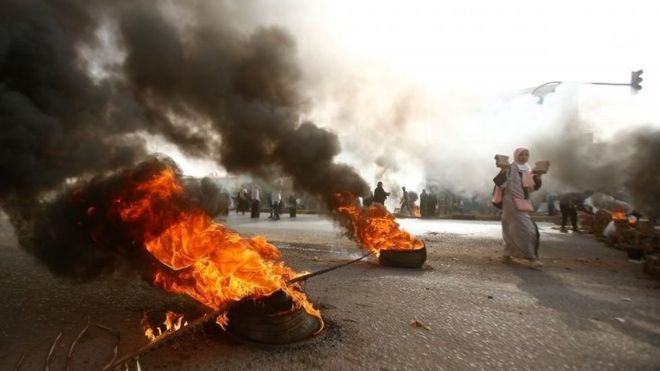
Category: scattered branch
<point>20,361</point>
<point>82,332</point>
<point>52,349</point>
<point>163,338</point>
<point>73,345</point>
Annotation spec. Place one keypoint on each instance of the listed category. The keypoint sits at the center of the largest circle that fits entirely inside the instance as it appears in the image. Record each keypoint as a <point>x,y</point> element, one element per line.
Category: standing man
<point>379,194</point>
<point>405,202</point>
<point>550,198</point>
<point>569,203</point>
<point>276,201</point>
<point>255,197</point>
<point>424,204</point>
<point>433,202</point>
<point>242,201</point>
<point>292,205</point>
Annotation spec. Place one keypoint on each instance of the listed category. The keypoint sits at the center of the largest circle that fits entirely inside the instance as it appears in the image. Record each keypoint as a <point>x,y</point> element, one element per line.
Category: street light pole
<point>607,83</point>
<point>635,84</point>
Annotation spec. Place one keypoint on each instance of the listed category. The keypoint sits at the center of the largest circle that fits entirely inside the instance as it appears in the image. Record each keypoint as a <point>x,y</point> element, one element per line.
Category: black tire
<point>270,320</point>
<point>403,258</point>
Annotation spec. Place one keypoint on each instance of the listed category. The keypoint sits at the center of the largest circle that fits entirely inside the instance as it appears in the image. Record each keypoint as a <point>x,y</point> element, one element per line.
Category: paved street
<point>588,308</point>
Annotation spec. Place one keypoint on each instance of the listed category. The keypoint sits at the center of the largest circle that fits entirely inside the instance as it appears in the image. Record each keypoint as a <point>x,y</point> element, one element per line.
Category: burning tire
<point>403,258</point>
<point>271,320</point>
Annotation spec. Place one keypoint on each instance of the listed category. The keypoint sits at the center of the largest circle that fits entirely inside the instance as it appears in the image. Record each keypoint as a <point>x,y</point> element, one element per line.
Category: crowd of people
<point>432,203</point>
<point>514,185</point>
<point>250,201</point>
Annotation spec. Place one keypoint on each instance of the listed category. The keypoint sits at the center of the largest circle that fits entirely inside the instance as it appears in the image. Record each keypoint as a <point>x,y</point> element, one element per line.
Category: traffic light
<point>636,79</point>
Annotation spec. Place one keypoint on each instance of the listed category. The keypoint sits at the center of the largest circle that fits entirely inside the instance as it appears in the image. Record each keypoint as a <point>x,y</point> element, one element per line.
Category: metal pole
<point>607,83</point>
<point>581,82</point>
<point>326,270</point>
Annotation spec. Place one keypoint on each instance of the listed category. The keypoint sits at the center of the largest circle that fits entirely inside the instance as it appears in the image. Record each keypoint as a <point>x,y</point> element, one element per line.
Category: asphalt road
<point>588,308</point>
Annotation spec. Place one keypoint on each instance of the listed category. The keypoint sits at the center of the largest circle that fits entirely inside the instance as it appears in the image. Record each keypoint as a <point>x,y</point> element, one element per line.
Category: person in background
<point>424,204</point>
<point>269,202</point>
<point>433,202</point>
<point>242,201</point>
<point>255,196</point>
<point>367,201</point>
<point>276,203</point>
<point>405,202</point>
<point>380,195</point>
<point>550,199</point>
<point>569,204</point>
<point>292,205</point>
<point>519,232</point>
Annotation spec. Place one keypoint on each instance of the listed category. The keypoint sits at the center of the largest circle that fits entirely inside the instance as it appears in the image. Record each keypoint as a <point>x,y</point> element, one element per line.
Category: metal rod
<point>167,336</point>
<point>209,316</point>
<point>608,83</point>
<point>326,270</point>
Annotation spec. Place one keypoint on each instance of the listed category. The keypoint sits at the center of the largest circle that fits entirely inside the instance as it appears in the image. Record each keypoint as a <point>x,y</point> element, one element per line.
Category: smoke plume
<point>626,167</point>
<point>644,172</point>
<point>79,235</point>
<point>56,123</point>
<point>183,73</point>
<point>246,88</point>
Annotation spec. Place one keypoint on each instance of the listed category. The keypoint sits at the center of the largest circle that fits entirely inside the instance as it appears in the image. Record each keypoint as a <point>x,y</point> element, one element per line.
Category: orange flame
<point>619,215</point>
<point>201,258</point>
<point>173,321</point>
<point>374,227</point>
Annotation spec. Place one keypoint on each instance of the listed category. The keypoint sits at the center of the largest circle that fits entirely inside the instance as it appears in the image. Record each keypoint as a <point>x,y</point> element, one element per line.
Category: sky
<point>479,43</point>
<point>447,83</point>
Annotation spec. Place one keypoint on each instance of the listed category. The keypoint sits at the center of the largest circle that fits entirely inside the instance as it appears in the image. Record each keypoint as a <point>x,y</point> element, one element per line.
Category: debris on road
<point>419,324</point>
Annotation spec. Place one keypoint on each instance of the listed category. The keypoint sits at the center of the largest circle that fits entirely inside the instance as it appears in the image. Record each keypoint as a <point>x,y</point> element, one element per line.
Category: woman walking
<point>520,233</point>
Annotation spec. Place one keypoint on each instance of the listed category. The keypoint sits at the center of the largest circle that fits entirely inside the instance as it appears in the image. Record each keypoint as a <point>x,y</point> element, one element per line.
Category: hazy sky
<point>455,73</point>
<point>481,43</point>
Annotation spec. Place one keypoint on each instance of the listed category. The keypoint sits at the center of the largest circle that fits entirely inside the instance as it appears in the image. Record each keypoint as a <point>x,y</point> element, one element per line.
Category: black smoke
<point>626,166</point>
<point>643,172</point>
<point>55,122</point>
<point>212,90</point>
<point>80,234</point>
<point>215,90</point>
<point>247,87</point>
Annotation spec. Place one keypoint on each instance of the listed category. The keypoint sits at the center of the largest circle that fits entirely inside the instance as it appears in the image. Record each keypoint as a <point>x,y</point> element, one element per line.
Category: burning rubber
<point>272,320</point>
<point>403,258</point>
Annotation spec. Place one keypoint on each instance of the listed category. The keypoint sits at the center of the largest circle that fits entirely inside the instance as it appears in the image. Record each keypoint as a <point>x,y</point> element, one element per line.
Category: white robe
<point>519,231</point>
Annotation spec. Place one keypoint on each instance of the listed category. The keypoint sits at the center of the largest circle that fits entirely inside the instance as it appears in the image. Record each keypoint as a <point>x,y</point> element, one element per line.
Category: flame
<point>222,320</point>
<point>173,321</point>
<point>201,258</point>
<point>619,215</point>
<point>373,227</point>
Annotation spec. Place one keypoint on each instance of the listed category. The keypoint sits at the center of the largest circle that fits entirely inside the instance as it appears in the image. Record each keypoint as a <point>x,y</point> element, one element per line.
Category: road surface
<point>588,308</point>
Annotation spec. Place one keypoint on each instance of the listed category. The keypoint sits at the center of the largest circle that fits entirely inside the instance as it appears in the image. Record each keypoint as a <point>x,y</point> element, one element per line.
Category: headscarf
<point>516,153</point>
<point>527,177</point>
